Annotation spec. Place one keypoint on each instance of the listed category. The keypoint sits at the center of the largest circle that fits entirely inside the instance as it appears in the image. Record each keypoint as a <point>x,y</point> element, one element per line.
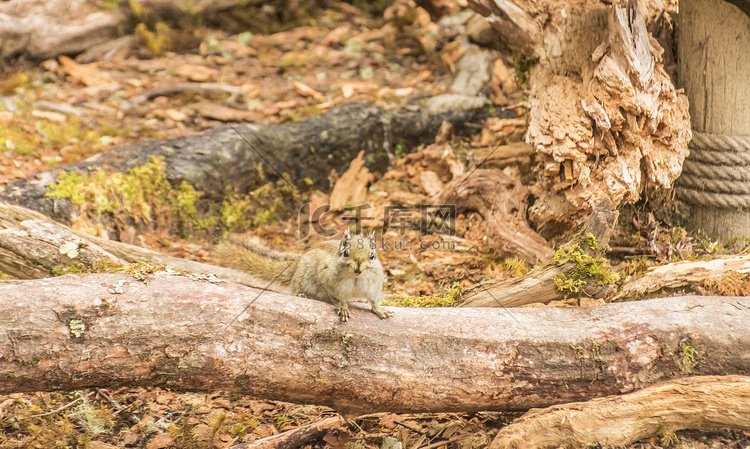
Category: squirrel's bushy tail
<point>255,258</point>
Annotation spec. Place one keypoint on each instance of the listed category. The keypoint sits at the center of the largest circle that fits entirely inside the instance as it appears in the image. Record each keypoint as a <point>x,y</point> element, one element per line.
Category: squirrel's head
<point>358,253</point>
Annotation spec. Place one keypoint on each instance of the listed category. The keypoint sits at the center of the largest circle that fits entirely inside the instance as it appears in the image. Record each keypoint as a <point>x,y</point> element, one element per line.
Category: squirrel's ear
<point>347,233</point>
<point>371,235</point>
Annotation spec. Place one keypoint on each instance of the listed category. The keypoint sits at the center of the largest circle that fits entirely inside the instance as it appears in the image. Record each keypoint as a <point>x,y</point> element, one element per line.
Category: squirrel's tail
<point>253,257</point>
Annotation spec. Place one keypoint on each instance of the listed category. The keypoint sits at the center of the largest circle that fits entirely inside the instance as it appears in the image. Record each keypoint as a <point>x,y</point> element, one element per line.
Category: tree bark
<point>220,159</point>
<point>108,330</point>
<point>702,402</point>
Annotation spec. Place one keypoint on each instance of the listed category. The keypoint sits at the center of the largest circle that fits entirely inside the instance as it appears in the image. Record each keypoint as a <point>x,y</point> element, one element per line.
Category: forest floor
<point>63,111</point>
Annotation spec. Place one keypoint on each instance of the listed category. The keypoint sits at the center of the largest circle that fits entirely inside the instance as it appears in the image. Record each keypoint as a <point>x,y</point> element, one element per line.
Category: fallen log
<point>701,403</point>
<point>32,246</point>
<point>178,332</point>
<point>687,273</point>
<point>242,157</point>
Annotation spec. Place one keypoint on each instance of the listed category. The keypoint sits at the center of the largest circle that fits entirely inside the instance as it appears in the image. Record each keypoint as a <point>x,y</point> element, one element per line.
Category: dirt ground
<point>62,111</point>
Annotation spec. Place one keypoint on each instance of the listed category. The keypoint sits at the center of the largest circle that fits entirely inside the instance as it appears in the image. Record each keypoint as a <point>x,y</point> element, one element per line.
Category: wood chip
<point>49,115</point>
<point>197,73</point>
<point>307,91</point>
<point>88,74</point>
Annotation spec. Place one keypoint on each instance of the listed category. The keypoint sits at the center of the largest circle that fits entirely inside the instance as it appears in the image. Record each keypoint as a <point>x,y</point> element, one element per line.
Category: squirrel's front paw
<point>343,312</point>
<point>383,314</point>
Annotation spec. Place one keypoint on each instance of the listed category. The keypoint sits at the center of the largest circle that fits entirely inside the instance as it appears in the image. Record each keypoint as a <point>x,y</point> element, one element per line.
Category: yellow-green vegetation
<point>447,298</point>
<point>515,266</point>
<point>9,83</point>
<point>686,354</point>
<point>158,41</point>
<point>142,193</point>
<point>266,204</point>
<point>588,269</point>
<point>77,139</point>
<point>77,328</point>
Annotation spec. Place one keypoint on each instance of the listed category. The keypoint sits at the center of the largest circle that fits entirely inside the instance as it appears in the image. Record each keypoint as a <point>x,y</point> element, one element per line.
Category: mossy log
<point>242,157</point>
<point>178,332</point>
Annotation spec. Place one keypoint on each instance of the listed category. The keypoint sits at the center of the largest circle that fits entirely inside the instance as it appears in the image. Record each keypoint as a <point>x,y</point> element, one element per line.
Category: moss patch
<point>588,269</point>
<point>447,298</point>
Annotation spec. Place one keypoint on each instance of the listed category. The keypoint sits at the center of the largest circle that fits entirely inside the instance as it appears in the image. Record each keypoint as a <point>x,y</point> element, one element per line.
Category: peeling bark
<point>106,330</point>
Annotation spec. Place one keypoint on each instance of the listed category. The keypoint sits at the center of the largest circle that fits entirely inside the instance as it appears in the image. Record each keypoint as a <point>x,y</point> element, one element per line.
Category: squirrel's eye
<point>372,256</point>
<point>346,253</point>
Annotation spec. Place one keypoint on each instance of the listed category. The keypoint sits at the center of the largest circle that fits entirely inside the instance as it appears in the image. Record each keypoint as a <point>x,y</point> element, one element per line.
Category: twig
<point>64,407</point>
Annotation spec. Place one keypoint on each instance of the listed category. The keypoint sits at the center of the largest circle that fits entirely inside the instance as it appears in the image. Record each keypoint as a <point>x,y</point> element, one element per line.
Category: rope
<point>717,172</point>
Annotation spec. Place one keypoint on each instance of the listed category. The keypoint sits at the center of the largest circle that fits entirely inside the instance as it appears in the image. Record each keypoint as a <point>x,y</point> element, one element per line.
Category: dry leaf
<point>197,73</point>
<point>307,91</point>
<point>349,88</point>
<point>88,74</point>
<point>351,188</point>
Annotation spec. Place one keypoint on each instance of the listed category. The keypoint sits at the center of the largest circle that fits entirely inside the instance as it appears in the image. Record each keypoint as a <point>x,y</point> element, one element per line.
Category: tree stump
<point>714,55</point>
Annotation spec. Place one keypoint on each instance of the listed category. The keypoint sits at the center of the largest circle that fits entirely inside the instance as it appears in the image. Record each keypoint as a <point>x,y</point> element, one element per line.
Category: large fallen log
<point>107,330</point>
<point>243,157</point>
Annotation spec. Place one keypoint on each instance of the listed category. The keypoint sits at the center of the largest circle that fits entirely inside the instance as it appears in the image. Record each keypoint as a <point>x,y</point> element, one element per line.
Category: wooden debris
<point>541,284</point>
<point>296,437</point>
<point>501,202</point>
<point>703,403</point>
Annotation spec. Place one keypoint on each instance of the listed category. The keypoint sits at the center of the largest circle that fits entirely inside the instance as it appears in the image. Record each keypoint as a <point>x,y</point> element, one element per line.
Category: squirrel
<point>337,271</point>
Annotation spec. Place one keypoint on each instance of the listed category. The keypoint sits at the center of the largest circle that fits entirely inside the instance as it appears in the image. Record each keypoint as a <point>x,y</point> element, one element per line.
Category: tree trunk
<point>220,159</point>
<point>714,50</point>
<point>703,402</point>
<point>108,330</point>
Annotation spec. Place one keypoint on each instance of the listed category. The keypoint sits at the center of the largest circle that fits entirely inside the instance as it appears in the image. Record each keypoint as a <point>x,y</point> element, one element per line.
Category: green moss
<point>515,266</point>
<point>269,203</point>
<point>588,269</point>
<point>142,193</point>
<point>687,355</point>
<point>447,298</point>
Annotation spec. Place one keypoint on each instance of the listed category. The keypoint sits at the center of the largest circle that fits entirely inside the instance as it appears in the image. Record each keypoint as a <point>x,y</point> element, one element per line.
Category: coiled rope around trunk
<point>717,172</point>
